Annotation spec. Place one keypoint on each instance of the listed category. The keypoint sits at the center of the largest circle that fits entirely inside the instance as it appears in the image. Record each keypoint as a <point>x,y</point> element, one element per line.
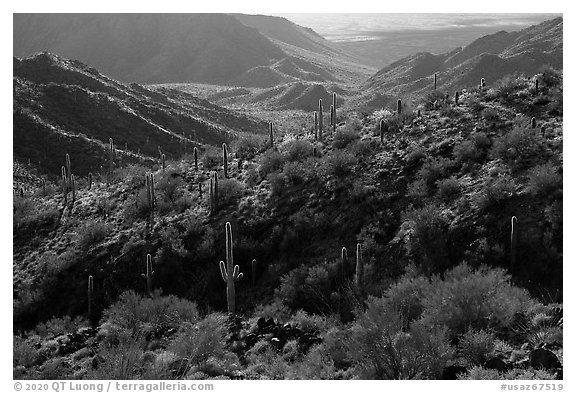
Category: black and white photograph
<point>287,196</point>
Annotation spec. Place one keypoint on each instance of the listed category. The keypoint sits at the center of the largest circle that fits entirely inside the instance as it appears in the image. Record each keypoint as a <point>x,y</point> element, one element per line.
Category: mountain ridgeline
<point>491,57</point>
<point>63,106</point>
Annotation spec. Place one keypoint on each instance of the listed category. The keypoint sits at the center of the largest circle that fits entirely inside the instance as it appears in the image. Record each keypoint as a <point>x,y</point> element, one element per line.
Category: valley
<point>261,203</point>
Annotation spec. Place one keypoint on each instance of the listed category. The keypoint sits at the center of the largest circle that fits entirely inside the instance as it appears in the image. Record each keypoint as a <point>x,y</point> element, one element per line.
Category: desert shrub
<point>428,239</point>
<point>338,164</point>
<point>277,183</point>
<point>251,177</point>
<point>481,140</point>
<point>58,326</point>
<point>475,104</point>
<point>476,345</point>
<point>295,172</point>
<point>168,186</point>
<point>415,156</point>
<point>105,206</point>
<point>229,191</point>
<point>137,207</point>
<point>380,349</point>
<point>91,233</point>
<point>364,148</point>
<point>345,136</point>
<point>518,147</point>
<point>417,190</point>
<point>494,192</point>
<point>196,342</point>
<point>480,299</point>
<point>448,189</point>
<point>550,77</point>
<point>480,373</point>
<point>433,170</point>
<point>138,315</point>
<point>121,358</point>
<point>133,174</point>
<point>405,297</point>
<point>309,288</point>
<point>246,147</point>
<point>490,115</point>
<point>270,161</point>
<point>506,87</point>
<point>297,149</point>
<point>211,158</point>
<point>24,353</point>
<point>467,151</point>
<point>544,179</point>
<point>29,218</point>
<point>433,100</point>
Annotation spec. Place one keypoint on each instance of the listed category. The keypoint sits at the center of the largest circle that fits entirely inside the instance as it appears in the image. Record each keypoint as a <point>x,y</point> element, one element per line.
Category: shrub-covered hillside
<point>420,241</point>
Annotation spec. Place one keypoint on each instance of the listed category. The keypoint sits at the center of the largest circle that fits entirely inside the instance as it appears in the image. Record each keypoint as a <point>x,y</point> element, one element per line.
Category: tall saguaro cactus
<point>225,159</point>
<point>334,106</point>
<point>320,119</point>
<point>399,106</point>
<point>195,158</point>
<point>68,170</point>
<point>343,261</point>
<point>533,122</point>
<point>90,181</point>
<point>315,125</point>
<point>359,279</point>
<point>253,265</point>
<point>149,274</point>
<point>90,295</point>
<point>111,152</point>
<point>456,97</point>
<point>163,162</point>
<point>271,129</point>
<point>230,272</point>
<point>383,130</point>
<point>513,241</point>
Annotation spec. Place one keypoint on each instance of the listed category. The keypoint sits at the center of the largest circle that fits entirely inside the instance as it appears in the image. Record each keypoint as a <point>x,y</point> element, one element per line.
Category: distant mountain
<point>146,48</point>
<point>63,106</point>
<point>491,57</point>
<point>182,48</point>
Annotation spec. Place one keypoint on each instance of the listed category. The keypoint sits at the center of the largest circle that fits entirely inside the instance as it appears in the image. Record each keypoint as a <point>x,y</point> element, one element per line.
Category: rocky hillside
<point>63,106</point>
<point>451,220</point>
<point>491,57</point>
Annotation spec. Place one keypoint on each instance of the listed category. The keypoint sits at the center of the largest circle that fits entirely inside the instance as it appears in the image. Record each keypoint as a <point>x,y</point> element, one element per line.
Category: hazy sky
<point>351,27</point>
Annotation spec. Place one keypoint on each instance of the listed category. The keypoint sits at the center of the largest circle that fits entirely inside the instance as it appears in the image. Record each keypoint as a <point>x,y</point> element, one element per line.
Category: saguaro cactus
<point>150,195</point>
<point>320,119</point>
<point>90,181</point>
<point>343,261</point>
<point>315,126</point>
<point>271,127</point>
<point>68,169</point>
<point>195,158</point>
<point>211,195</point>
<point>482,83</point>
<point>73,187</point>
<point>225,160</point>
<point>359,279</point>
<point>399,106</point>
<point>111,151</point>
<point>163,162</point>
<point>253,264</point>
<point>230,272</point>
<point>149,274</point>
<point>513,241</point>
<point>536,85</point>
<point>435,79</point>
<point>331,115</point>
<point>533,122</point>
<point>64,185</point>
<point>90,295</point>
<point>383,130</point>
<point>200,189</point>
<point>456,97</point>
<point>419,113</point>
<point>334,106</point>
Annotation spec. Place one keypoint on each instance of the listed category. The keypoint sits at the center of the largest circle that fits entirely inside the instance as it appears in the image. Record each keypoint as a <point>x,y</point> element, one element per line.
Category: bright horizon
<point>365,27</point>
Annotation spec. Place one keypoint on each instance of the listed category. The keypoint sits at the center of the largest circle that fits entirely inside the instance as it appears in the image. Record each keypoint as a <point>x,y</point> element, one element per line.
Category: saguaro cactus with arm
<point>230,272</point>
